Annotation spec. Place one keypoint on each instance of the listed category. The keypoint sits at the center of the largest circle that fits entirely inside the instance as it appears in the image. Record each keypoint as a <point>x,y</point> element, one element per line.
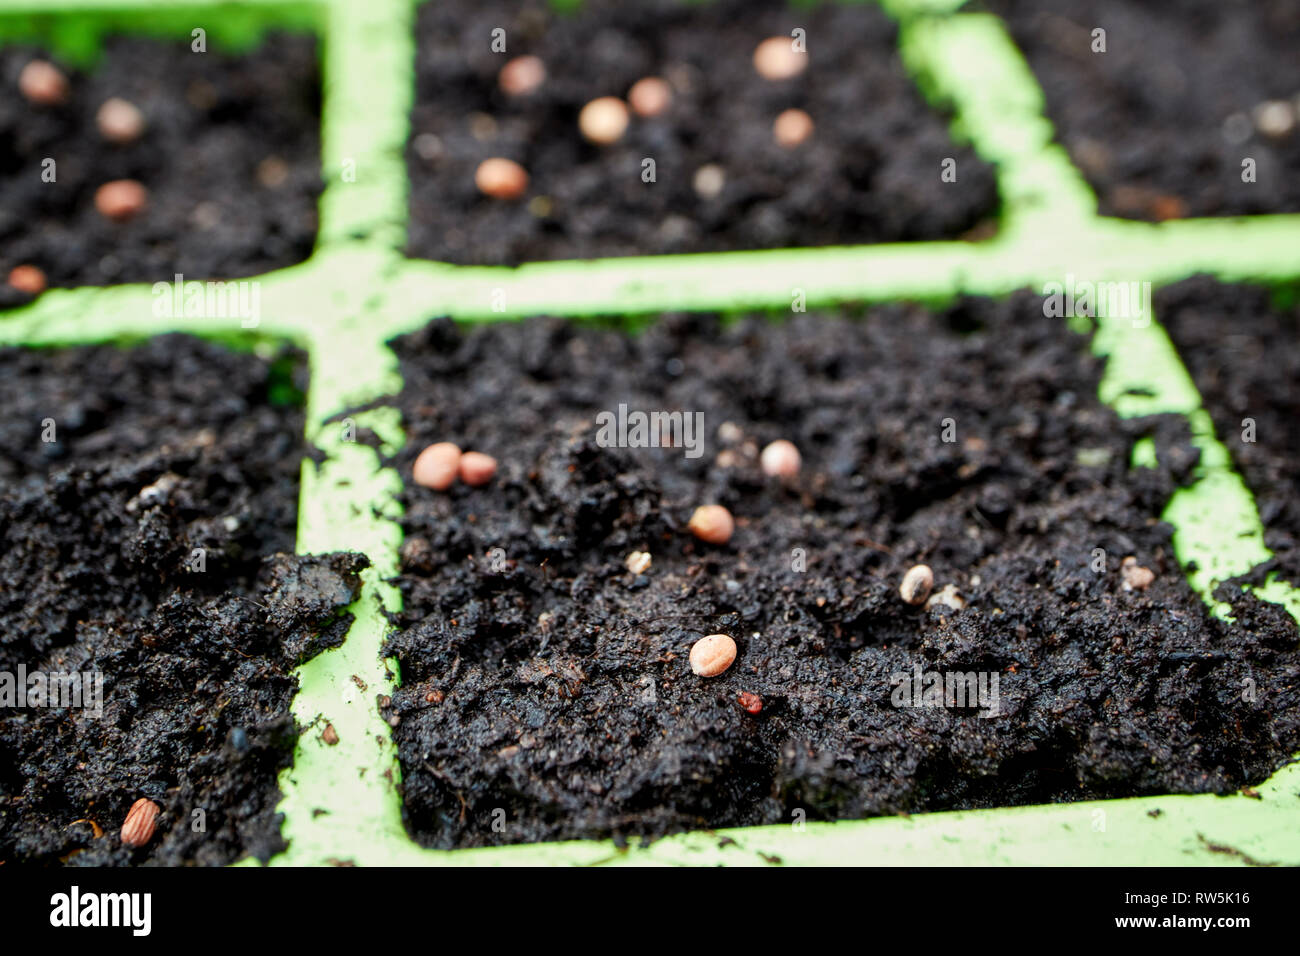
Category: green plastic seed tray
<point>357,290</point>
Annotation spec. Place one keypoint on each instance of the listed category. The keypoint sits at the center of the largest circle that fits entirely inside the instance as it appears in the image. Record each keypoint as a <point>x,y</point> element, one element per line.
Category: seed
<point>792,127</point>
<point>330,735</point>
<point>604,120</point>
<point>27,279</point>
<point>272,172</point>
<point>522,75</point>
<point>437,466</point>
<point>119,121</point>
<point>948,596</point>
<point>650,96</point>
<point>43,83</point>
<point>501,178</point>
<point>712,523</point>
<point>777,59</point>
<point>712,655</point>
<point>477,468</point>
<point>780,459</point>
<point>137,830</point>
<point>1275,118</point>
<point>709,180</point>
<point>121,199</point>
<point>1136,577</point>
<point>638,562</point>
<point>751,703</point>
<point>483,127</point>
<point>917,584</point>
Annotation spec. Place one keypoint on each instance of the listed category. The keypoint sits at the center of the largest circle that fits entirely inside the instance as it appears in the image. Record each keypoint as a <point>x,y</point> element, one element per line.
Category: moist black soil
<point>230,157</point>
<point>1160,122</point>
<point>543,679</point>
<point>161,451</point>
<point>870,173</point>
<point>1242,347</point>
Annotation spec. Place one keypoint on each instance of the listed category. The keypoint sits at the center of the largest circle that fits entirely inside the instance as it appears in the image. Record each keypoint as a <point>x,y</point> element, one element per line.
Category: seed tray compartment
<point>357,291</point>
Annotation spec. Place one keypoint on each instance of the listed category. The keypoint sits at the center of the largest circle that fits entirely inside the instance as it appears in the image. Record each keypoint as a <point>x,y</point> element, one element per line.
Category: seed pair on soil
<point>714,523</point>
<point>439,465</point>
<point>918,583</point>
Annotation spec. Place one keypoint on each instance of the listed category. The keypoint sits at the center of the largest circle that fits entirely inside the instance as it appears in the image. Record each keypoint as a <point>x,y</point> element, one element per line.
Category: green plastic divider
<point>342,803</point>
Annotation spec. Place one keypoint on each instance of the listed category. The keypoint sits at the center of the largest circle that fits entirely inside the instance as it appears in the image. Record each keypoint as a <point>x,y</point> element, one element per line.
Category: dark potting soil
<point>1242,347</point>
<point>543,679</point>
<point>230,156</point>
<point>1160,123</point>
<point>162,450</point>
<point>870,173</point>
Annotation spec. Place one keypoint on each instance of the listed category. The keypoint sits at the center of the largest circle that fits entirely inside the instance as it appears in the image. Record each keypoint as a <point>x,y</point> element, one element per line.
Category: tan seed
<point>137,830</point>
<point>119,121</point>
<point>604,120</point>
<point>777,59</point>
<point>1275,118</point>
<point>330,735</point>
<point>522,75</point>
<point>1136,577</point>
<point>638,562</point>
<point>948,596</point>
<point>792,128</point>
<point>780,459</point>
<point>27,279</point>
<point>43,83</point>
<point>650,96</point>
<point>709,181</point>
<point>121,199</point>
<point>272,172</point>
<point>712,523</point>
<point>477,468</point>
<point>712,655</point>
<point>917,584</point>
<point>437,466</point>
<point>501,178</point>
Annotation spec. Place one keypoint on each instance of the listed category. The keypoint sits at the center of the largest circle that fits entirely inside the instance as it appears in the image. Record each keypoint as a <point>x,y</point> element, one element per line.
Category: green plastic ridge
<point>341,803</point>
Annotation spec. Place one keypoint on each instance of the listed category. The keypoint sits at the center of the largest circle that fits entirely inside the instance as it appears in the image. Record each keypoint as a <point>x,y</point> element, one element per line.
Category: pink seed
<point>712,523</point>
<point>121,199</point>
<point>792,128</point>
<point>43,83</point>
<point>649,96</point>
<point>437,465</point>
<point>777,59</point>
<point>522,75</point>
<point>477,468</point>
<point>27,279</point>
<point>501,178</point>
<point>119,122</point>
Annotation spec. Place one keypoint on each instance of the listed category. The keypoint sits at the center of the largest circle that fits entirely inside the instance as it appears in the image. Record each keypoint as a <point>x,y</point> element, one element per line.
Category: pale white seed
<point>917,584</point>
<point>777,59</point>
<point>780,459</point>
